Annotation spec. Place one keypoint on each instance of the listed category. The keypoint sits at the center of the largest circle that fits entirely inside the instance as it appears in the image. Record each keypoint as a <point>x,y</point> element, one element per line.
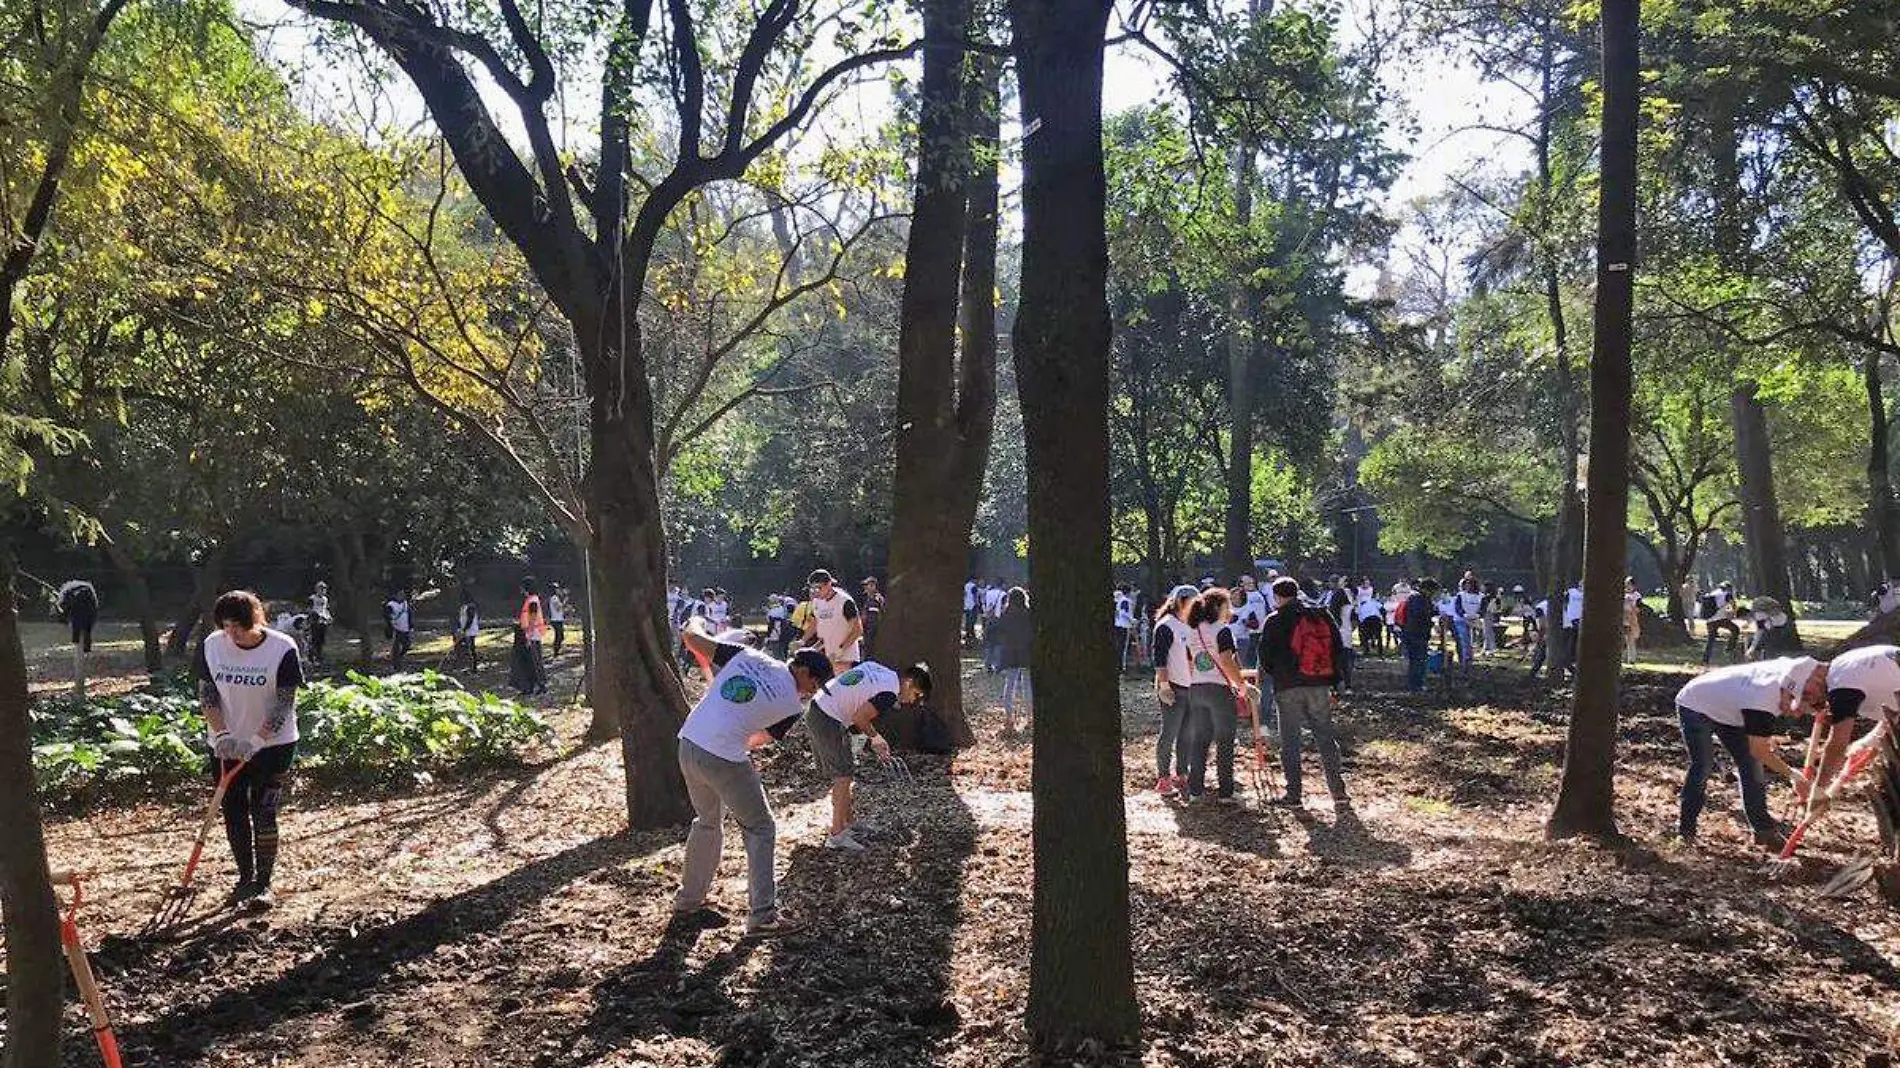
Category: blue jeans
<point>1699,733</point>
<point>1250,651</point>
<point>1417,648</point>
<point>1016,684</point>
<point>1461,631</point>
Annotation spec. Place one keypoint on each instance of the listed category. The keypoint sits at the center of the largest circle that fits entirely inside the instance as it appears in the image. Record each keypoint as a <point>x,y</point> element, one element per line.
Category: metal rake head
<point>173,909</point>
<point>896,770</point>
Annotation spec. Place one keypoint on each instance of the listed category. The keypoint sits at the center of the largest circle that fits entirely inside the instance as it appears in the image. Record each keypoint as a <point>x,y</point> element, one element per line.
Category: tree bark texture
<point>1879,475</point>
<point>139,592</point>
<point>1237,556</point>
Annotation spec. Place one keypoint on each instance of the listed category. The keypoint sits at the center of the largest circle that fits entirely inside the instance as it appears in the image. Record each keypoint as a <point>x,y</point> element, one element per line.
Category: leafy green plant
<point>366,726</point>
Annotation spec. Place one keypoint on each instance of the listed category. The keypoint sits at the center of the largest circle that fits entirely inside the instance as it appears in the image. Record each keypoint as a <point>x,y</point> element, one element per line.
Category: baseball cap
<point>818,576</point>
<point>813,662</point>
<point>1799,670</point>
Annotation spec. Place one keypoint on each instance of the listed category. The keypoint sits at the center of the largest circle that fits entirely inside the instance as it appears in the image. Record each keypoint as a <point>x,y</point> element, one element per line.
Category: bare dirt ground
<point>506,918</point>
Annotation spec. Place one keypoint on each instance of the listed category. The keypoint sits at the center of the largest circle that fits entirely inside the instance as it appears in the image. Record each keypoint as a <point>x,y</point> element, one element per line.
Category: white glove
<point>223,746</point>
<point>1165,695</point>
<point>243,749</point>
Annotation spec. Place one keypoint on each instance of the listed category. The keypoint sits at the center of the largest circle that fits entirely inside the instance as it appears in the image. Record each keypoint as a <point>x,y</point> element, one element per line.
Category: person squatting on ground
<point>319,620</point>
<point>1015,629</point>
<point>1174,673</point>
<point>1301,647</point>
<point>248,675</point>
<point>1738,706</point>
<point>850,704</point>
<point>1861,684</point>
<point>834,625</point>
<point>398,628</point>
<point>1371,615</point>
<point>1213,709</point>
<point>79,607</point>
<point>752,701</point>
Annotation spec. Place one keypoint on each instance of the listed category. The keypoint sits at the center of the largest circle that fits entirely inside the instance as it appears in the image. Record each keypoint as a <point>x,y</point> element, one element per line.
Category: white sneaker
<point>844,841</point>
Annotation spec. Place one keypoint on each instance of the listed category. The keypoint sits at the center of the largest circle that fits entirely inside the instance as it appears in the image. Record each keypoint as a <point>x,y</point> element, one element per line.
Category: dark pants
<point>82,632</point>
<point>560,634</point>
<point>250,810</point>
<point>319,633</point>
<point>466,642</point>
<point>1699,734</point>
<point>1715,626</point>
<point>1372,636</point>
<point>399,649</point>
<point>1417,647</point>
<point>1309,707</point>
<point>969,624</point>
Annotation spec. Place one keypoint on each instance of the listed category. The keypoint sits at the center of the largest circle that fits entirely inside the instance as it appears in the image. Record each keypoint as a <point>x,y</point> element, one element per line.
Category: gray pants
<point>1171,751</point>
<point>715,786</point>
<point>1310,706</point>
<point>1214,720</point>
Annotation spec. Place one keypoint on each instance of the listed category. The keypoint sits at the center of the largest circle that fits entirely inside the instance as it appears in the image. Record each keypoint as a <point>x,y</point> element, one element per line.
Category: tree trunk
<point>207,582</point>
<point>139,591</point>
<point>1565,559</point>
<point>1879,476</point>
<point>601,724</point>
<point>34,963</point>
<point>1586,796</point>
<point>639,684</point>
<point>1237,556</point>
<point>1081,972</point>
<point>1761,514</point>
<point>939,469</point>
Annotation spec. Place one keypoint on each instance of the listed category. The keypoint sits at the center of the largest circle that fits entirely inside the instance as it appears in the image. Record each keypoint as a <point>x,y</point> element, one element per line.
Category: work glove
<point>243,749</point>
<point>1165,695</point>
<point>223,746</point>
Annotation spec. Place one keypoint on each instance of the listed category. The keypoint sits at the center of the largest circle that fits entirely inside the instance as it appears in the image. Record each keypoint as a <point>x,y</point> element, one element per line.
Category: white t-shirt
<point>1369,606</point>
<point>1573,606</point>
<point>1725,693</point>
<point>750,693</point>
<point>1124,611</point>
<point>1253,610</point>
<point>1471,604</point>
<point>834,622</point>
<point>969,597</point>
<point>1180,665</point>
<point>248,681</point>
<point>469,619</point>
<point>869,683</point>
<point>557,609</point>
<point>1874,670</point>
<point>320,606</point>
<point>1204,650</point>
<point>1724,603</point>
<point>993,599</point>
<point>398,616</point>
<point>716,610</point>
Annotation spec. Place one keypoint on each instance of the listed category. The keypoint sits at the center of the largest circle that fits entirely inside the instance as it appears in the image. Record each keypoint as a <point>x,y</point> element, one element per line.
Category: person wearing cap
<point>847,704</point>
<point>834,624</point>
<point>751,702</point>
<point>1738,706</point>
<point>319,621</point>
<point>1861,685</point>
<point>1717,610</point>
<point>1174,675</point>
<point>873,611</point>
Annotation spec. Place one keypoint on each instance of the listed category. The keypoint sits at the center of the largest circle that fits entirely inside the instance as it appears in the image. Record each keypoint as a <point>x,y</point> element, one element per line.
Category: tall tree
<point>1081,969</point>
<point>1586,795</point>
<point>944,410</point>
<point>598,275</point>
<point>34,963</point>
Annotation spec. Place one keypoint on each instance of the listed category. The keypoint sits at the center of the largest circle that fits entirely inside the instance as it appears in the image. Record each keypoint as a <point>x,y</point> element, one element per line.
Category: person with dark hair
<point>845,705</point>
<point>398,626</point>
<point>1214,710</point>
<point>530,625</point>
<point>933,734</point>
<point>319,620</point>
<point>1015,629</point>
<point>79,605</point>
<point>1370,612</point>
<point>972,601</point>
<point>468,628</point>
<point>557,616</point>
<point>1123,616</point>
<point>1174,673</point>
<point>751,702</point>
<point>1301,648</point>
<point>1717,610</point>
<point>248,675</point>
<point>1415,617</point>
<point>835,625</point>
<point>873,612</point>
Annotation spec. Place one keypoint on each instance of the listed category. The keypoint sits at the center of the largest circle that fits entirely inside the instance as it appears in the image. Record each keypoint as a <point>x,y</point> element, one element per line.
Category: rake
<point>1857,761</point>
<point>82,971</point>
<point>179,899</point>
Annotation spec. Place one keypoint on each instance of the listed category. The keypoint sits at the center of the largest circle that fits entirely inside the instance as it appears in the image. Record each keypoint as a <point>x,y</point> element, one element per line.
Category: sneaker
<point>1180,784</point>
<point>1286,801</point>
<point>261,901</point>
<point>703,918</point>
<point>1165,787</point>
<point>242,892</point>
<point>780,923</point>
<point>843,840</point>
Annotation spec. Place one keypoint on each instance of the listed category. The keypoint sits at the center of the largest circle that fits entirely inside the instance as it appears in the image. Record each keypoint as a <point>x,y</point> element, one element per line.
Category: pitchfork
<point>179,899</point>
<point>82,971</point>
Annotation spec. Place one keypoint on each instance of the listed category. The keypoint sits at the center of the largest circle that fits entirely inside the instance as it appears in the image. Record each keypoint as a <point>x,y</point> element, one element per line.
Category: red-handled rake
<point>82,971</point>
<point>1857,761</point>
<point>178,900</point>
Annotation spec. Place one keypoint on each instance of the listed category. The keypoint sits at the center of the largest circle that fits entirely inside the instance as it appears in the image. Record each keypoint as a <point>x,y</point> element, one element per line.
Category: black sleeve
<point>723,654</point>
<point>289,671</point>
<point>200,667</point>
<point>850,608</point>
<point>783,727</point>
<point>883,702</point>
<point>1224,640</point>
<point>1758,724</point>
<point>1164,643</point>
<point>1843,704</point>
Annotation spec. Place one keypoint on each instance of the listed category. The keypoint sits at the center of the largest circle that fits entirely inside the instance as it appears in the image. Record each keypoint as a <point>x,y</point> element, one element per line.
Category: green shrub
<point>375,727</point>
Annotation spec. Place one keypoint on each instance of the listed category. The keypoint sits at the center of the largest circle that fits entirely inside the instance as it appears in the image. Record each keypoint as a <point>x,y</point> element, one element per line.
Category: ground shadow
<point>1348,841</point>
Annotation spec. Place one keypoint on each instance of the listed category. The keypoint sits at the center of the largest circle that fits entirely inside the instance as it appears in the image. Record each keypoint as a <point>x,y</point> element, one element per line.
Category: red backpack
<point>1313,645</point>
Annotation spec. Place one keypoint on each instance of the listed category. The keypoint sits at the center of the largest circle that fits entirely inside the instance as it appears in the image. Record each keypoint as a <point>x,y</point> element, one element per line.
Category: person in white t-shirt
<point>1738,706</point>
<point>995,596</point>
<point>835,624</point>
<point>468,628</point>
<point>1632,618</point>
<point>319,621</point>
<point>850,703</point>
<point>1717,609</point>
<point>1174,675</point>
<point>1861,685</point>
<point>1369,612</point>
<point>398,628</point>
<point>1249,606</point>
<point>248,675</point>
<point>557,616</point>
<point>1124,617</point>
<point>970,605</point>
<point>752,701</point>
